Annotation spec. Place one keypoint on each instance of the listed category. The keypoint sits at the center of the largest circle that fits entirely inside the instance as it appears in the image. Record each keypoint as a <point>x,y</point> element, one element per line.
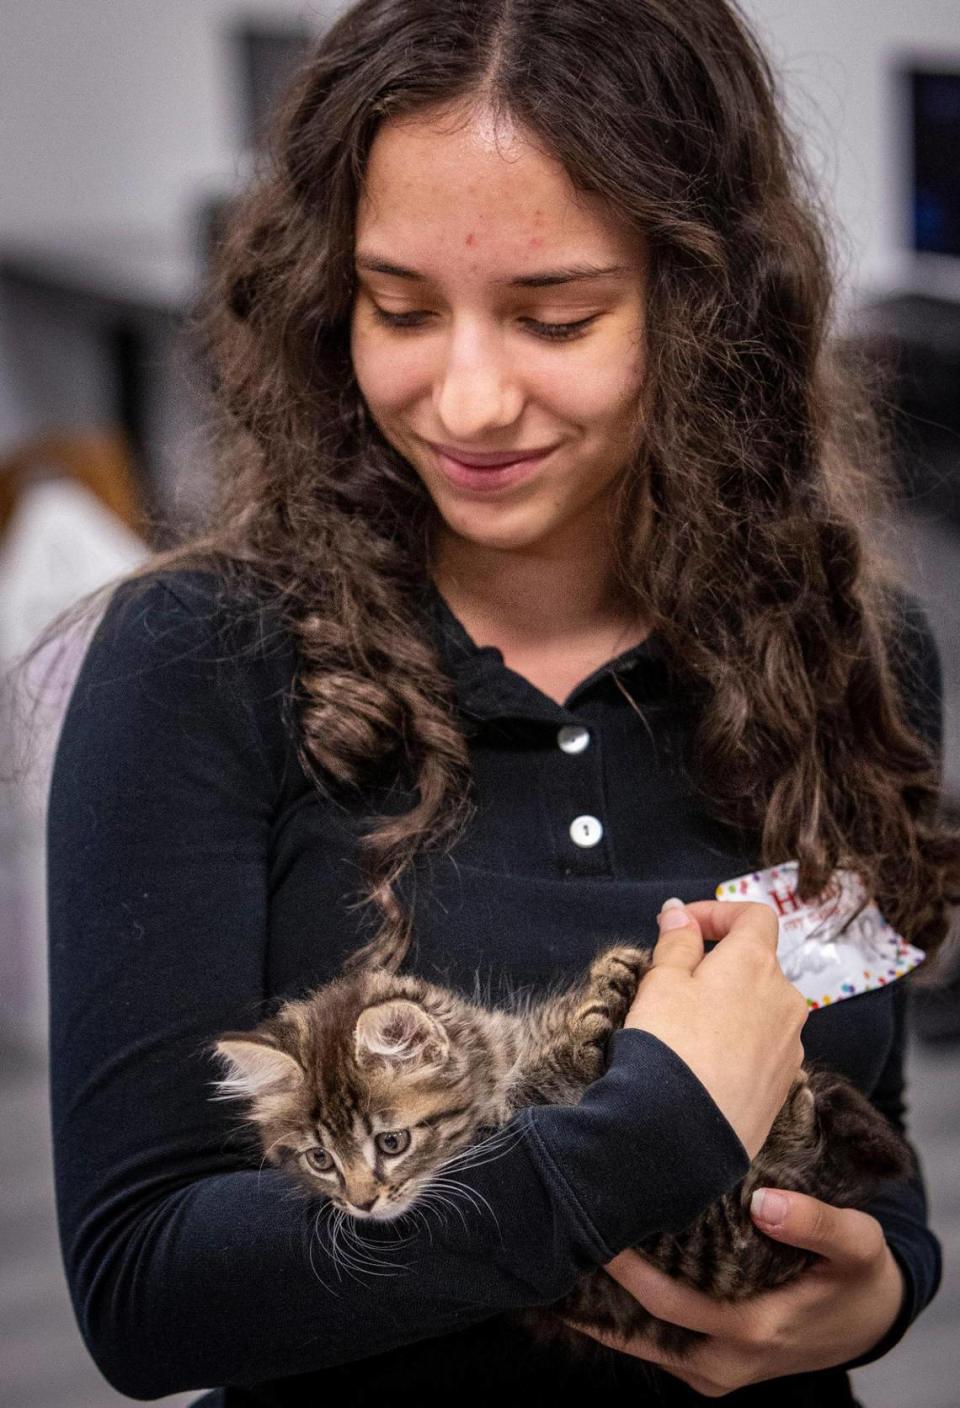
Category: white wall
<point>114,110</point>
<point>117,110</point>
<point>834,57</point>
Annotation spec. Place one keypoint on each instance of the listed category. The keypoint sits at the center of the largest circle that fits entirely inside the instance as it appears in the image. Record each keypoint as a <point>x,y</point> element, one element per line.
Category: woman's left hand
<point>837,1310</point>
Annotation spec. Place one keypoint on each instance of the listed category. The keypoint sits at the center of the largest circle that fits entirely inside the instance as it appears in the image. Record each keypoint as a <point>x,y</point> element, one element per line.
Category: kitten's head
<point>860,1146</point>
<point>828,1140</point>
<point>364,1088</point>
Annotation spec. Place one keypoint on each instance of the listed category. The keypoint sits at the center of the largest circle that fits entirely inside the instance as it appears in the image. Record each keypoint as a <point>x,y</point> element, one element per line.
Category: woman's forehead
<point>474,199</point>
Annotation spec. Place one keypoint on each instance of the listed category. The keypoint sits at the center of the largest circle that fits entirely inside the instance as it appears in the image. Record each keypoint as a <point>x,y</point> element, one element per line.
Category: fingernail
<point>673,915</point>
<point>769,1206</point>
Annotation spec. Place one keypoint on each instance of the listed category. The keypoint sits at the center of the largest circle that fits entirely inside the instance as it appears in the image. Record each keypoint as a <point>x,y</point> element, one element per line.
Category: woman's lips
<point>480,459</point>
<point>509,470</point>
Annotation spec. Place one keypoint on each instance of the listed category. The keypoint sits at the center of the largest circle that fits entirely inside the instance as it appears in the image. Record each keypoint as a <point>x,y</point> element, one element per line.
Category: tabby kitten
<point>369,1089</point>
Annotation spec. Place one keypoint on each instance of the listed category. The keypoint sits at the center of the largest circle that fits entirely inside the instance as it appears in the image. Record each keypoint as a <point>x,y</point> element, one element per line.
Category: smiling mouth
<point>491,480</point>
<point>490,460</point>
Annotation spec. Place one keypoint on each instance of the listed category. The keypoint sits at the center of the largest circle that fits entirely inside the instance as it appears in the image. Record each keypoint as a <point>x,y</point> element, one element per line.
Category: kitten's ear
<point>255,1067</point>
<point>859,1136</point>
<point>400,1033</point>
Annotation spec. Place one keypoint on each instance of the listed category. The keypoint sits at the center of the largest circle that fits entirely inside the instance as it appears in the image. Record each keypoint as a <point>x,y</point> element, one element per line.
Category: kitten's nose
<point>364,1207</point>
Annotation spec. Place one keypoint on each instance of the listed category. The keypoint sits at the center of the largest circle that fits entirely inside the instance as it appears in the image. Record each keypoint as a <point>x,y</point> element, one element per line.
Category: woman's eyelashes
<point>550,332</point>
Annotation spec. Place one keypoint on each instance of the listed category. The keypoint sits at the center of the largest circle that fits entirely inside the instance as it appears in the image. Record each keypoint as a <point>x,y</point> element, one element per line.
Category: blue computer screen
<point>935,104</point>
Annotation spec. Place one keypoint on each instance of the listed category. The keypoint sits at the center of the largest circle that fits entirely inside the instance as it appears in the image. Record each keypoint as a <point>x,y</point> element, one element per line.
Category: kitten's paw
<point>613,980</point>
<point>607,994</point>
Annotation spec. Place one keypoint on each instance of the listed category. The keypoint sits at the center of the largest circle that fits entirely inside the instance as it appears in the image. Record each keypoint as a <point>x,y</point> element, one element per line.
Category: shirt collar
<point>488,689</point>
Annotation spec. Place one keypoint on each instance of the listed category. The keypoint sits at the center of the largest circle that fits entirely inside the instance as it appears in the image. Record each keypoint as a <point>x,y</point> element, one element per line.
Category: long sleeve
<point>189,1266</point>
<point>901,1208</point>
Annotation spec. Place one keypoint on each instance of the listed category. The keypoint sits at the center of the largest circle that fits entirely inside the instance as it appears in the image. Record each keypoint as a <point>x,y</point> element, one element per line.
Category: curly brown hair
<point>742,532</point>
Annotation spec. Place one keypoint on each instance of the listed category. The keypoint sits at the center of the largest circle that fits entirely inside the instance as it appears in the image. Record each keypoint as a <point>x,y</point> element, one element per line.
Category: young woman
<point>538,593</point>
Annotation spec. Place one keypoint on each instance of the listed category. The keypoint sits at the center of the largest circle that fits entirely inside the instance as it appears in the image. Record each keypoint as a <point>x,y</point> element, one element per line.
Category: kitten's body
<point>337,1082</point>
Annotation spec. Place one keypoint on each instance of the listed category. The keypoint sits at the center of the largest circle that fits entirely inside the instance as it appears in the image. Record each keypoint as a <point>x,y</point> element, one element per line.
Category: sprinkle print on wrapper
<point>832,948</point>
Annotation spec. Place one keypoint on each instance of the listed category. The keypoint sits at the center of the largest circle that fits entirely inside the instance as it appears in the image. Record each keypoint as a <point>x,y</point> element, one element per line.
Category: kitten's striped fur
<point>370,1089</point>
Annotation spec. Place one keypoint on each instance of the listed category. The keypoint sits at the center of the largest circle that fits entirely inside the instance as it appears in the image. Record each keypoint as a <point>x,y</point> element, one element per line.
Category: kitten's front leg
<point>610,987</point>
<point>564,1039</point>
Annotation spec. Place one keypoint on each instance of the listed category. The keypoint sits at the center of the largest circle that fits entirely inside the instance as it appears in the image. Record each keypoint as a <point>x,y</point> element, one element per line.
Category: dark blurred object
<point>267,55</point>
<point>913,333</point>
<point>934,126</point>
<point>104,307</point>
<point>935,1010</point>
<point>210,217</point>
<point>264,57</point>
<point>916,340</point>
<point>924,136</point>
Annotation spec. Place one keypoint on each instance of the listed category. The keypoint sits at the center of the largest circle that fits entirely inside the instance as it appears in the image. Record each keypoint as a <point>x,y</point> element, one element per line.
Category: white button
<point>585,831</point>
<point>573,739</point>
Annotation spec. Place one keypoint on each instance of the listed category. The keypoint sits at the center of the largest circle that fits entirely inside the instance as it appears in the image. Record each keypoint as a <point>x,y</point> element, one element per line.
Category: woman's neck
<point>530,597</point>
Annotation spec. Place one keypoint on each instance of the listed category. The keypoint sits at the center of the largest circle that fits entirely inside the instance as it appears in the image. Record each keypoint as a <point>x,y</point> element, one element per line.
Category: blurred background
<point>125,126</point>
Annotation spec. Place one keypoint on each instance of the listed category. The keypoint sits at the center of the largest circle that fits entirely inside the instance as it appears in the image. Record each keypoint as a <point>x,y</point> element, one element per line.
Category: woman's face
<point>461,343</point>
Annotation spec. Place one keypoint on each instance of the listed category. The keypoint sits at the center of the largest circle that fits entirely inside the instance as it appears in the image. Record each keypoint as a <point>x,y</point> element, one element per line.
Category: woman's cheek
<point>389,377</point>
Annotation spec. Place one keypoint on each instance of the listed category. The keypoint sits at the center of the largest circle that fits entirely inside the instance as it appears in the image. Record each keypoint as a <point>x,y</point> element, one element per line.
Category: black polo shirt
<point>196,878</point>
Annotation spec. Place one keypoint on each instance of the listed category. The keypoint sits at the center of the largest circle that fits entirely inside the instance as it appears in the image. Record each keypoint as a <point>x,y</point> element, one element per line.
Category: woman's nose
<point>477,389</point>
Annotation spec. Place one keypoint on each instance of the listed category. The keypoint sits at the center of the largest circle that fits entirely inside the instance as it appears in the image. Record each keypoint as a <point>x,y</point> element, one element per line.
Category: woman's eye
<point>393,1141</point>
<point>318,1159</point>
<point>561,332</point>
<point>551,332</point>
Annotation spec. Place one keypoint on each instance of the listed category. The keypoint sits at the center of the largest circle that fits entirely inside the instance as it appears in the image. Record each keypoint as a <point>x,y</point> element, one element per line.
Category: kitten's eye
<point>393,1141</point>
<point>318,1159</point>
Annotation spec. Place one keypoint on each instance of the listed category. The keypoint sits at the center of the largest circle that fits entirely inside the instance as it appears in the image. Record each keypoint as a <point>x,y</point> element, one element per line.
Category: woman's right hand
<point>731,1015</point>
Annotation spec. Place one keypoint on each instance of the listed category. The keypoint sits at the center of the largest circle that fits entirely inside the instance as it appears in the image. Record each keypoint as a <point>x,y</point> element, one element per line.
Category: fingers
<point>680,944</point>
<point>711,920</point>
<point>846,1237</point>
<point>669,1299</point>
<point>642,1346</point>
<point>718,918</point>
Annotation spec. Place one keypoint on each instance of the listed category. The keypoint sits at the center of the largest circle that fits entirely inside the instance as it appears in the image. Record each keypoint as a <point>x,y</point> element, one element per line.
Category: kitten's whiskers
<point>350,1252</point>
<point>476,1155</point>
<point>266,1155</point>
<point>420,1216</point>
<point>432,1196</point>
<point>360,1246</point>
<point>471,1195</point>
<point>316,1237</point>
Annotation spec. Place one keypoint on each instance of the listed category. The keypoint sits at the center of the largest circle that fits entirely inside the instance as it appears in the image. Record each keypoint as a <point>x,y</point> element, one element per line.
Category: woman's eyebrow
<point>570,273</point>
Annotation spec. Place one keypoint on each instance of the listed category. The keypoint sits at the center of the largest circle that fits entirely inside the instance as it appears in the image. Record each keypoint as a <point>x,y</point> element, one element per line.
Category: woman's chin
<point>498,529</point>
